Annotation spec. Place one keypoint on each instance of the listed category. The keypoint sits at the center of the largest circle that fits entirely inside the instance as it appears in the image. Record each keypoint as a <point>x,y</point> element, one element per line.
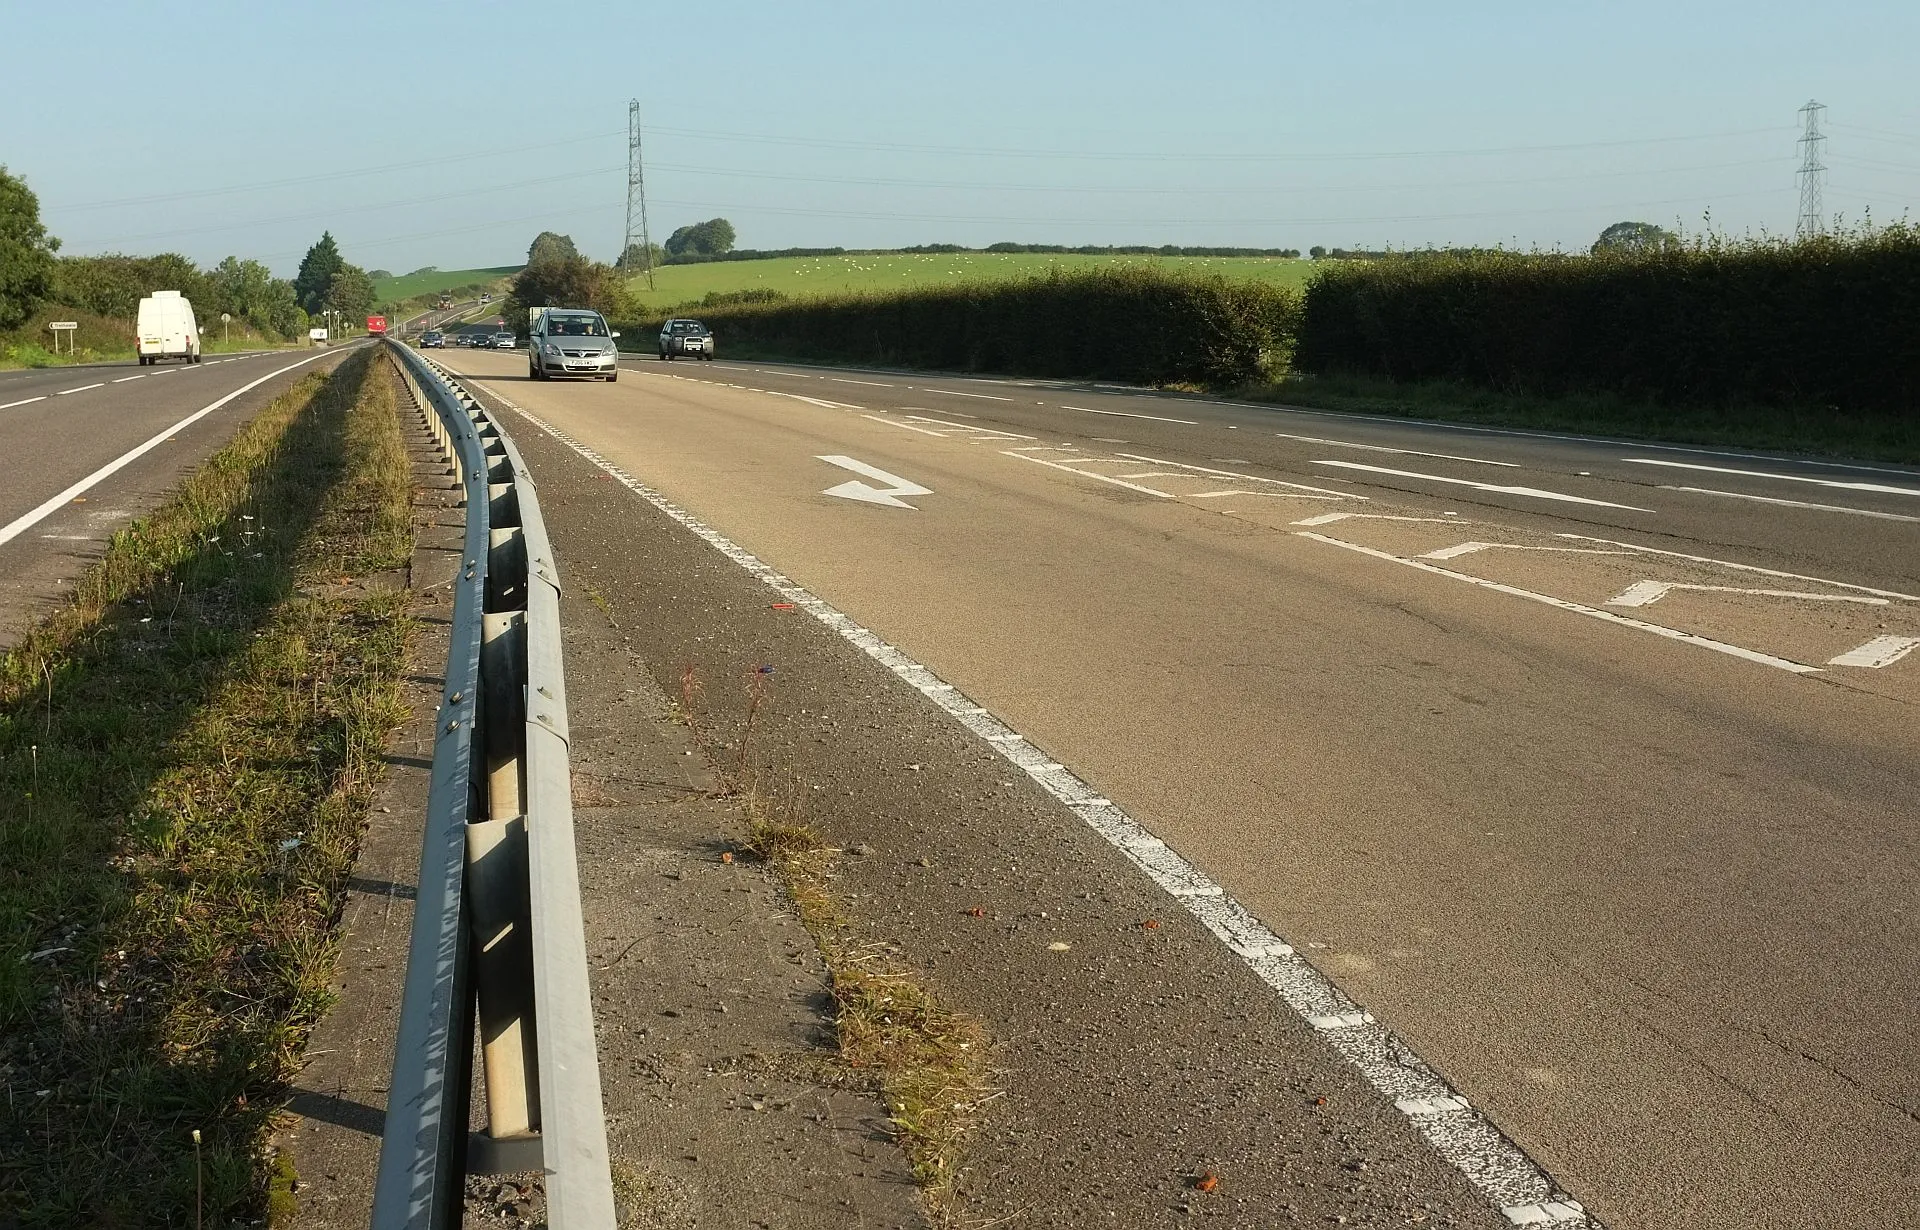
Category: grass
<point>892,1034</point>
<point>408,285</point>
<point>186,755</point>
<point>820,275</point>
<point>1780,428</point>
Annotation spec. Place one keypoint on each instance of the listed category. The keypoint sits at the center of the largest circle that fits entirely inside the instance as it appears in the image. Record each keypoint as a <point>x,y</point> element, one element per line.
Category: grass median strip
<point>186,755</point>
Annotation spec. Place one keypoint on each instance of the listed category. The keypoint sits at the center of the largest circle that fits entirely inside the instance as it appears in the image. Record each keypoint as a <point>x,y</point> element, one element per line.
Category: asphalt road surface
<point>89,448</point>
<point>1587,768</point>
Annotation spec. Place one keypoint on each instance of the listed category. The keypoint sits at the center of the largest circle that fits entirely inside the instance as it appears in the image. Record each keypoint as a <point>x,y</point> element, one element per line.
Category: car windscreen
<point>688,326</point>
<point>576,326</point>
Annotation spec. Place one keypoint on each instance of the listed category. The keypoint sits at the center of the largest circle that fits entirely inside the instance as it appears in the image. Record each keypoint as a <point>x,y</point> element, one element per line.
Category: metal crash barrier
<point>498,937</point>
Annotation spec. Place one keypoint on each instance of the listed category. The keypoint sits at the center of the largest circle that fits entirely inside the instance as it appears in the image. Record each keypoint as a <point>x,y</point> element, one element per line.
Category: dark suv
<point>687,339</point>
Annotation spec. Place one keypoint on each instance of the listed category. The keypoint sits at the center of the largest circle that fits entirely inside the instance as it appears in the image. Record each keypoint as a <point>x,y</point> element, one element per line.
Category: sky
<point>450,134</point>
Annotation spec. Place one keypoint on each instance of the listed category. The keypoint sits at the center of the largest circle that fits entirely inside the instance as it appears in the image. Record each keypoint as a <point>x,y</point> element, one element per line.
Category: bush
<point>1826,322</point>
<point>1130,323</point>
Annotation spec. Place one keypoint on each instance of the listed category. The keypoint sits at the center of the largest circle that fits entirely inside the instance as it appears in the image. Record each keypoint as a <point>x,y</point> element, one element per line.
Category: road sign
<point>857,490</point>
<point>63,326</point>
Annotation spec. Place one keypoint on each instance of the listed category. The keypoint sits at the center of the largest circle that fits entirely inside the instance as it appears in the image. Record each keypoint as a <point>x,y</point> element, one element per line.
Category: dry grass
<point>892,1033</point>
<point>186,755</point>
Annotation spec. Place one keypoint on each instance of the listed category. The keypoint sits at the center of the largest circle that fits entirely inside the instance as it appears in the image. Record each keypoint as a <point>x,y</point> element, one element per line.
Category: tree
<point>113,284</point>
<point>547,246</point>
<point>26,253</point>
<point>317,268</point>
<point>633,258</point>
<point>350,293</point>
<point>569,282</point>
<point>710,238</point>
<point>1634,238</point>
<point>1317,252</point>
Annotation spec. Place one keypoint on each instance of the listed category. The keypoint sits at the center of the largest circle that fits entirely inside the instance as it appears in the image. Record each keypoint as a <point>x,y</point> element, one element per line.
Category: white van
<point>166,328</point>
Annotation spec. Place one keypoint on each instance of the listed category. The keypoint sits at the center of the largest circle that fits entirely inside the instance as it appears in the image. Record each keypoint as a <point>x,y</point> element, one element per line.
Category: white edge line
<point>13,529</point>
<point>1771,499</point>
<point>1496,1167</point>
<point>958,393</point>
<point>28,401</point>
<point>1765,572</point>
<point>1123,414</point>
<point>1673,634</point>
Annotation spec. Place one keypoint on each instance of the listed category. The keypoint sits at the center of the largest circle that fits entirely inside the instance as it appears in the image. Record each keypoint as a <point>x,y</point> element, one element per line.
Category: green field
<point>824,275</point>
<point>406,286</point>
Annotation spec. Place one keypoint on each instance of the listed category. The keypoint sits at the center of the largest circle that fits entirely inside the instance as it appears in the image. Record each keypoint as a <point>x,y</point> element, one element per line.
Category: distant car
<point>685,339</point>
<point>433,338</point>
<point>503,341</point>
<point>570,342</point>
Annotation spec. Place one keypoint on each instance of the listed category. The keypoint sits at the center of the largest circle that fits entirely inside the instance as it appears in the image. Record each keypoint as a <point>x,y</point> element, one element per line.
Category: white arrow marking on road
<point>857,490</point>
<point>1646,593</point>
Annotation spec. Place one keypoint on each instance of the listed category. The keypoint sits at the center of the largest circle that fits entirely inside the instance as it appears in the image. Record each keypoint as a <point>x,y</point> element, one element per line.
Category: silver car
<point>571,342</point>
<point>685,339</point>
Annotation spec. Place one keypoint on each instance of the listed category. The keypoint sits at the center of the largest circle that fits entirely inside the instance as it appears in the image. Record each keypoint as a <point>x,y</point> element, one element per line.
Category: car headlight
<point>553,351</point>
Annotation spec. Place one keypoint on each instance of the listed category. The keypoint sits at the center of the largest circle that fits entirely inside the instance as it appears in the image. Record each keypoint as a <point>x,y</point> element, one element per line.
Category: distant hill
<point>408,285</point>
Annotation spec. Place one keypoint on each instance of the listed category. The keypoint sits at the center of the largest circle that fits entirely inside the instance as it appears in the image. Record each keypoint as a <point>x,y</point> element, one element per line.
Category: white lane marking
<point>13,529</point>
<point>1470,548</point>
<point>959,414</point>
<point>958,393</point>
<point>1493,1164</point>
<point>1330,518</point>
<point>857,490</point>
<point>1534,492</point>
<point>81,388</point>
<point>25,401</point>
<point>811,401</point>
<point>1277,495</point>
<point>124,379</point>
<point>1754,568</point>
<point>1410,452</point>
<point>1593,612</point>
<point>1251,478</point>
<point>1646,593</point>
<point>1774,499</point>
<point>1056,465</point>
<point>165,371</point>
<point>1122,414</point>
<point>893,422</point>
<point>1878,652</point>
<point>981,431</point>
<point>1841,484</point>
<point>873,383</point>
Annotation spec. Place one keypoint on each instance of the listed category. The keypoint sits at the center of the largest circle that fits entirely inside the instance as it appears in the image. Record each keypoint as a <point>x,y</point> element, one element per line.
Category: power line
<point>1812,222</point>
<point>896,147</point>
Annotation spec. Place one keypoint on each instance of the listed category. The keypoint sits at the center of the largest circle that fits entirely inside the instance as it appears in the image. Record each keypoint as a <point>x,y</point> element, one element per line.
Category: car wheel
<point>613,377</point>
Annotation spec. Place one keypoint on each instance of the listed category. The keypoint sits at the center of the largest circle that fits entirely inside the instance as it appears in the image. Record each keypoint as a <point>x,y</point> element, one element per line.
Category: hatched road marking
<point>1646,593</point>
<point>1878,652</point>
<point>1533,492</point>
